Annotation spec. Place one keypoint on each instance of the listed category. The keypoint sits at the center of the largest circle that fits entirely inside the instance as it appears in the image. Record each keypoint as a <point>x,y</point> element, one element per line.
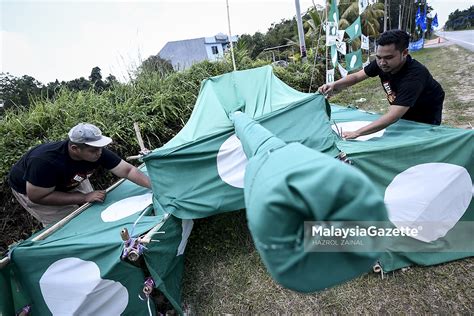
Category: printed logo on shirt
<point>78,178</point>
<point>390,94</point>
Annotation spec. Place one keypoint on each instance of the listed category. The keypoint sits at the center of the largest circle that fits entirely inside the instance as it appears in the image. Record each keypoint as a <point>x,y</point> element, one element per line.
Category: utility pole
<point>300,31</point>
<point>400,16</point>
<point>230,37</point>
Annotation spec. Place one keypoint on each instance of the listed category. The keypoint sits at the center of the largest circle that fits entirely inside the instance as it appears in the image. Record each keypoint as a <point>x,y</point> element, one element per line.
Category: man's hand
<point>95,196</point>
<point>350,135</point>
<point>326,88</point>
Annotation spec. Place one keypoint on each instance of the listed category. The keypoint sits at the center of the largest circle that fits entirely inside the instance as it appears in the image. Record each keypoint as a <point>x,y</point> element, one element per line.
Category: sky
<point>65,39</point>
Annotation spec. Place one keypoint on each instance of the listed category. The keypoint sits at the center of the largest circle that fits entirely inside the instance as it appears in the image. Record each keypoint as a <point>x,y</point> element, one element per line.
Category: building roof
<point>184,53</point>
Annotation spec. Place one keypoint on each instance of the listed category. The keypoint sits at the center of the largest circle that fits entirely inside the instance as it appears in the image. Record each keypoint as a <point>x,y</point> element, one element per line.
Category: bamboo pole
<point>148,236</point>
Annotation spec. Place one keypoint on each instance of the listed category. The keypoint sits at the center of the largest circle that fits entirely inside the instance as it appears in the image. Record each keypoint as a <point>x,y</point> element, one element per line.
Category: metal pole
<point>300,31</point>
<point>385,15</point>
<point>230,36</point>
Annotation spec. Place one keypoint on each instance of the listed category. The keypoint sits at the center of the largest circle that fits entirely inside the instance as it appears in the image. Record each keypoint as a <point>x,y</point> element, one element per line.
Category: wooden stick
<point>147,238</point>
<point>139,137</point>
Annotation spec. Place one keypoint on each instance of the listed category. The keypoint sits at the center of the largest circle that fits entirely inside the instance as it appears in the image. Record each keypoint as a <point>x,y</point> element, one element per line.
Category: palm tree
<point>370,17</point>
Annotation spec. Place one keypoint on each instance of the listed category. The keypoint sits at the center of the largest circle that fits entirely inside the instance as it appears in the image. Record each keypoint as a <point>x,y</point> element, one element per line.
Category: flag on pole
<point>354,60</point>
<point>333,12</point>
<point>434,23</point>
<point>423,21</point>
<point>354,30</point>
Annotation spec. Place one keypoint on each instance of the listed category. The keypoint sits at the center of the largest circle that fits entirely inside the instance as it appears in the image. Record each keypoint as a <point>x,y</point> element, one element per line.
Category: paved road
<point>461,38</point>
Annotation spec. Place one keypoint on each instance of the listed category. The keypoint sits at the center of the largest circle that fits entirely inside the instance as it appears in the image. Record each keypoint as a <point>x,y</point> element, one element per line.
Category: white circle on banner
<point>72,286</point>
<point>231,162</point>
<point>126,207</point>
<point>355,125</point>
<point>430,196</point>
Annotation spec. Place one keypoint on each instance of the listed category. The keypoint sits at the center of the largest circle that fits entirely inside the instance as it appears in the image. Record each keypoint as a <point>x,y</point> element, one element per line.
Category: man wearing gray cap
<point>51,180</point>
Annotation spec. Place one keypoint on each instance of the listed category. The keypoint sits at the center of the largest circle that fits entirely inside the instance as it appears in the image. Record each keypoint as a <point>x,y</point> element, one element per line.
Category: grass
<point>224,273</point>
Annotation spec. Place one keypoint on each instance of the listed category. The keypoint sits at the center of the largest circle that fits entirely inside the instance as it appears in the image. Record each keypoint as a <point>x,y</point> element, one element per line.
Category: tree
<point>18,91</point>
<point>156,64</point>
<point>460,20</point>
<point>96,79</point>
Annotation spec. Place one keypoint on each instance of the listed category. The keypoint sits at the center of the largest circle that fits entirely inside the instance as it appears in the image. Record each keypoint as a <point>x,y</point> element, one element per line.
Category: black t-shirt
<point>49,165</point>
<point>412,86</point>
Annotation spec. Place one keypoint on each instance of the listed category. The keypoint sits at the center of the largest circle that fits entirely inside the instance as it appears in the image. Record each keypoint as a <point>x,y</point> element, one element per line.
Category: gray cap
<point>85,133</point>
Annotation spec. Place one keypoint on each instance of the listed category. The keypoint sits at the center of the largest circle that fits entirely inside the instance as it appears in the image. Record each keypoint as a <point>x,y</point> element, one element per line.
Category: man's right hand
<point>95,196</point>
<point>326,88</point>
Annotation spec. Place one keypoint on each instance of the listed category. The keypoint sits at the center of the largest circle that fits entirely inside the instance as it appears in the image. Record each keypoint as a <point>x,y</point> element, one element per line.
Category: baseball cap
<point>85,133</point>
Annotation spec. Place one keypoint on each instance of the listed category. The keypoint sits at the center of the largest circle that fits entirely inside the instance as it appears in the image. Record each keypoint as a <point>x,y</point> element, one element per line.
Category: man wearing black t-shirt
<point>412,92</point>
<point>52,180</point>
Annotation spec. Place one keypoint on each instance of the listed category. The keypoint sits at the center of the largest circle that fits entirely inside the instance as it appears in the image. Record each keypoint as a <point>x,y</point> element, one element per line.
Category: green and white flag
<point>287,185</point>
<point>424,173</point>
<point>333,15</point>
<point>354,60</point>
<point>355,29</point>
<point>334,55</point>
<point>78,270</point>
<point>200,172</point>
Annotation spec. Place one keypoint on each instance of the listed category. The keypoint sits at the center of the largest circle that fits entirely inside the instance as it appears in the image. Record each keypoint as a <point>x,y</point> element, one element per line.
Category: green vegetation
<point>461,20</point>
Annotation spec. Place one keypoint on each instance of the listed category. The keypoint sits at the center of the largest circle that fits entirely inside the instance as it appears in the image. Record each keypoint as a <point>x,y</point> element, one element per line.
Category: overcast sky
<point>65,39</point>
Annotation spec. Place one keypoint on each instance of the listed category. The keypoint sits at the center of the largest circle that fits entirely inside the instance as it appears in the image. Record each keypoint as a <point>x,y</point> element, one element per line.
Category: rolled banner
<point>288,184</point>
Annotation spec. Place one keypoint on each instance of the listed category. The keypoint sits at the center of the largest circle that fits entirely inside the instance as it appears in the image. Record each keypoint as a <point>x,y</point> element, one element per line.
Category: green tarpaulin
<point>78,269</point>
<point>423,173</point>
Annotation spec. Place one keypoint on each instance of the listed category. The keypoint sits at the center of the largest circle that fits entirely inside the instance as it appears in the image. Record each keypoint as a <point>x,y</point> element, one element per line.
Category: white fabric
<point>342,70</point>
<point>72,286</point>
<point>433,196</point>
<point>331,33</point>
<point>340,35</point>
<point>330,75</point>
<point>363,4</point>
<point>126,207</point>
<point>341,47</point>
<point>364,42</point>
<point>231,162</point>
<point>355,125</point>
<point>187,227</point>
